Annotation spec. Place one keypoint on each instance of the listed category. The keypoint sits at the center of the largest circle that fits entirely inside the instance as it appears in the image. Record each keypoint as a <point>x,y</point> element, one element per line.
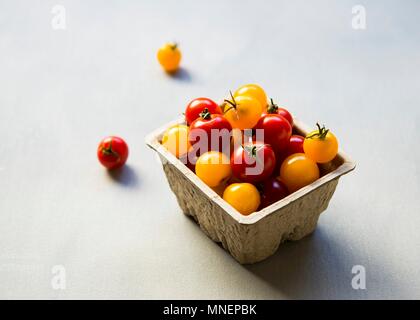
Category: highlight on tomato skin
<point>112,152</point>
<point>175,140</point>
<point>254,91</point>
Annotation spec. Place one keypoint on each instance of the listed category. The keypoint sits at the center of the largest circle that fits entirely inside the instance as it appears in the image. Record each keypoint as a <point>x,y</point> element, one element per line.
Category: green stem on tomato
<point>272,108</point>
<point>321,134</point>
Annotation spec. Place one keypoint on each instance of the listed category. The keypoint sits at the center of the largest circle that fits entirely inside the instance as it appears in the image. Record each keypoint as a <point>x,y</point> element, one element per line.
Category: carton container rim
<point>153,141</point>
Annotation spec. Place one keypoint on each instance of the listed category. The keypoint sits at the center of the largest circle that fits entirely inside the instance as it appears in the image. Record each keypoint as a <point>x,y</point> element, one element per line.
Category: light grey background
<point>123,236</point>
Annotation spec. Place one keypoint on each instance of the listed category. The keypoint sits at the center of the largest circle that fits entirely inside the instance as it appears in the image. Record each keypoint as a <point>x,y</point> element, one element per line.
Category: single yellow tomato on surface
<point>320,145</point>
<point>298,171</point>
<point>244,197</point>
<point>243,112</point>
<point>169,57</point>
<point>253,91</point>
<point>213,168</point>
<point>175,139</point>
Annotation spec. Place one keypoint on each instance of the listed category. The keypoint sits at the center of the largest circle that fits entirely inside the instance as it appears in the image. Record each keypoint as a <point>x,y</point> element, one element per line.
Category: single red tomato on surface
<point>272,190</point>
<point>273,108</point>
<point>276,129</point>
<point>210,132</point>
<point>253,162</point>
<point>295,146</point>
<point>112,152</point>
<point>196,106</point>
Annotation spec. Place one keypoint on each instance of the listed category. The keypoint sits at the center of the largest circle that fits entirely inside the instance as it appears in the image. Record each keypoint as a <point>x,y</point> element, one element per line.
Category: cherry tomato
<point>277,131</point>
<point>213,168</point>
<point>242,112</point>
<point>190,159</point>
<point>298,171</point>
<point>169,57</point>
<point>321,145</point>
<point>213,129</point>
<point>112,152</point>
<point>175,139</point>
<point>253,162</point>
<point>273,108</point>
<point>196,106</point>
<point>244,197</point>
<point>253,91</point>
<point>295,146</point>
<point>272,190</point>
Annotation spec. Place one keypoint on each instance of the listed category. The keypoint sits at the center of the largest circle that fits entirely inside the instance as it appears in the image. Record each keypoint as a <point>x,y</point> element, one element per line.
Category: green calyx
<point>205,114</point>
<point>252,151</point>
<point>173,46</point>
<point>272,108</point>
<point>320,134</point>
<point>108,151</point>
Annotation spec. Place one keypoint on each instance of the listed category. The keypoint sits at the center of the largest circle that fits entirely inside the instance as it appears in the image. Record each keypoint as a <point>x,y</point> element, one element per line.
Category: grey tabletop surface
<point>123,235</point>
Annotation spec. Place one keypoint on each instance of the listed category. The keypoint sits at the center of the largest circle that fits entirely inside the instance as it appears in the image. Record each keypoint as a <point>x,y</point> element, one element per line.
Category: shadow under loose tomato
<point>125,176</point>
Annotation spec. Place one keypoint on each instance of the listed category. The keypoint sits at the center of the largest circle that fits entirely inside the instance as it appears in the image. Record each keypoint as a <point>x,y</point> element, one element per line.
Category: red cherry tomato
<point>214,129</point>
<point>272,190</point>
<point>277,131</point>
<point>196,106</point>
<point>253,162</point>
<point>112,152</point>
<point>273,108</point>
<point>295,146</point>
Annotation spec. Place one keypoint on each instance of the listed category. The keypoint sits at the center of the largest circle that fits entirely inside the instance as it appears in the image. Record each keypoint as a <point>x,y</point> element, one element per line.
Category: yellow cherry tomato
<point>320,145</point>
<point>175,139</point>
<point>244,197</point>
<point>253,91</point>
<point>213,168</point>
<point>243,112</point>
<point>298,171</point>
<point>169,57</point>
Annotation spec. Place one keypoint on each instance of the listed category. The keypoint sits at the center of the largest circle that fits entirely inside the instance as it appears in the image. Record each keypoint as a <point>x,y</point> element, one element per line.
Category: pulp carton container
<point>252,238</point>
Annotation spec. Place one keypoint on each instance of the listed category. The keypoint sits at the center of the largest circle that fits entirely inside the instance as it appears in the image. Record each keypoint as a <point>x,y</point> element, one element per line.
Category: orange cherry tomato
<point>243,112</point>
<point>321,145</point>
<point>244,197</point>
<point>169,57</point>
<point>298,171</point>
<point>213,168</point>
<point>175,139</point>
<point>253,91</point>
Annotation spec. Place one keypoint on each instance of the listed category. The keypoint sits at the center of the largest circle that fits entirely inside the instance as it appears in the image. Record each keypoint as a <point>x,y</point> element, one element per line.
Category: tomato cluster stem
<point>321,134</point>
<point>232,103</point>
